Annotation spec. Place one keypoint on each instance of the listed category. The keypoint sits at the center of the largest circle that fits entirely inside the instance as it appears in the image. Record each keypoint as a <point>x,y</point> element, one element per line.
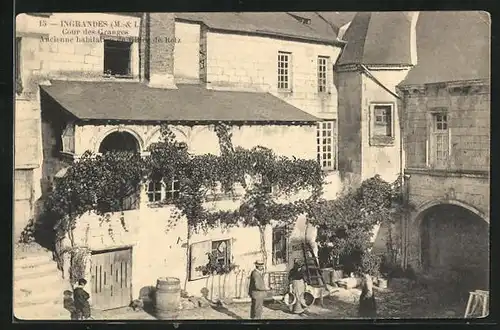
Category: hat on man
<point>259,263</point>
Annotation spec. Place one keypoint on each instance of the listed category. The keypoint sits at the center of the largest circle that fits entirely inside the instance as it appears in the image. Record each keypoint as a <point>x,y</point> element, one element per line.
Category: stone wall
<point>468,111</point>
<point>465,181</point>
<point>384,160</point>
<point>241,62</point>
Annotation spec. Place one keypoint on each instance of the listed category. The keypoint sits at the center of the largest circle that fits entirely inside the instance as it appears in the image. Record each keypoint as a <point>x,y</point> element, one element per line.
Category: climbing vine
<point>102,183</point>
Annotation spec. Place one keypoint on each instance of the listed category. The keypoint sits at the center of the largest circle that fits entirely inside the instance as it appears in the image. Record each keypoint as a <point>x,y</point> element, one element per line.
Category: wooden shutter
<point>198,257</point>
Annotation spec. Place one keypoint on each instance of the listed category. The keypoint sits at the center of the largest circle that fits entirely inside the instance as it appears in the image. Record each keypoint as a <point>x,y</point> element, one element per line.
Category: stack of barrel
<point>168,298</point>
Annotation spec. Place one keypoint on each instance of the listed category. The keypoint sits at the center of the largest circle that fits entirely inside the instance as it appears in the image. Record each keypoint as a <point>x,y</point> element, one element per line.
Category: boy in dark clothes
<point>367,304</point>
<point>81,300</point>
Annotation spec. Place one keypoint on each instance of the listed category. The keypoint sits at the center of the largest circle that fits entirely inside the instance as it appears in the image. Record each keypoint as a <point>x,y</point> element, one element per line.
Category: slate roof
<point>377,38</point>
<point>130,101</point>
<point>451,46</point>
<point>271,23</point>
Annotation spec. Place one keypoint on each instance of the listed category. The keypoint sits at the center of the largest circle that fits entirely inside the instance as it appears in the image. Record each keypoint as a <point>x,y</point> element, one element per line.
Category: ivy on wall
<point>101,183</point>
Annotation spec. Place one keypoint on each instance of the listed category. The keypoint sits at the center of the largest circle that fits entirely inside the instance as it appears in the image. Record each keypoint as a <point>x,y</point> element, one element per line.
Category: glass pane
<point>176,194</point>
<point>329,148</point>
<point>329,156</point>
<point>151,197</point>
<point>168,195</point>
<point>324,148</point>
<point>150,186</point>
<point>445,126</point>
<point>324,133</point>
<point>176,185</point>
<point>324,163</point>
<point>157,196</point>
<point>157,186</point>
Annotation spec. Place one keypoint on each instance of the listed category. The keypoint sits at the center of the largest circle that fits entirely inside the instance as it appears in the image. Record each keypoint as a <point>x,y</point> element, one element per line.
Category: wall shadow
<point>225,310</point>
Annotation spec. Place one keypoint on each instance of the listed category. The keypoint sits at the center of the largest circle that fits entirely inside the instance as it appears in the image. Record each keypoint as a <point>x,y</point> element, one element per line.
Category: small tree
<point>345,224</point>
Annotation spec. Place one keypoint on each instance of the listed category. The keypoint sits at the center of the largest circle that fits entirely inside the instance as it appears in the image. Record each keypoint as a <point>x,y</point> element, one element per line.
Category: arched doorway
<point>119,141</point>
<point>455,241</point>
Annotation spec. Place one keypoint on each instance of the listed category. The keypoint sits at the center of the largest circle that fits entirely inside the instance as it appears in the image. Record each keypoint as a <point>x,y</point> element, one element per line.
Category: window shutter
<point>198,257</point>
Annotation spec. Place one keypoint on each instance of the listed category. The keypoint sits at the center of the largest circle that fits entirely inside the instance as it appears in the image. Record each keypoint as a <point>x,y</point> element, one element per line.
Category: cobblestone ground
<point>395,302</point>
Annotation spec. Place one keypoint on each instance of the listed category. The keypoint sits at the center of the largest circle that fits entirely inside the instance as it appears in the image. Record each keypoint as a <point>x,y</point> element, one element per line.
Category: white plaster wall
<point>250,63</point>
<point>382,160</point>
<point>187,52</point>
<point>298,141</point>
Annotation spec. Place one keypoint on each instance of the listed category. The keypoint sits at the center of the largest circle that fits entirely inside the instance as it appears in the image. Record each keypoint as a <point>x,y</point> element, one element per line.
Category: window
<point>198,256</point>
<point>322,73</point>
<point>220,249</point>
<point>154,191</point>
<point>284,68</point>
<point>326,144</point>
<point>280,246</point>
<point>172,189</point>
<point>383,120</point>
<point>159,191</point>
<point>440,140</point>
<point>382,124</point>
<point>19,82</point>
<point>117,57</point>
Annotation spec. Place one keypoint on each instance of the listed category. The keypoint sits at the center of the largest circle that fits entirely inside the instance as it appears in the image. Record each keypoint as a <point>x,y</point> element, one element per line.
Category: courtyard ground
<point>400,300</point>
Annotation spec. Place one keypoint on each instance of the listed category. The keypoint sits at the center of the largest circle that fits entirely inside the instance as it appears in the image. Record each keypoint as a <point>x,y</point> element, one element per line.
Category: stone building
<point>107,89</point>
<point>445,103</point>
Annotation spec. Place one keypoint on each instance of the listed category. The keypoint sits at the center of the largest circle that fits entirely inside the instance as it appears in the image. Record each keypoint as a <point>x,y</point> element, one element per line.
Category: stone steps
<point>38,290</point>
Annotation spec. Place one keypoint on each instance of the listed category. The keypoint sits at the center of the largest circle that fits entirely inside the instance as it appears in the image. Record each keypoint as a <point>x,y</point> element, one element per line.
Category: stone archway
<point>454,242</point>
<point>119,141</point>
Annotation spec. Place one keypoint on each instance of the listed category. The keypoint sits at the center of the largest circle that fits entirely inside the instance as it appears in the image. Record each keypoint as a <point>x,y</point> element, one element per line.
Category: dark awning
<point>130,101</point>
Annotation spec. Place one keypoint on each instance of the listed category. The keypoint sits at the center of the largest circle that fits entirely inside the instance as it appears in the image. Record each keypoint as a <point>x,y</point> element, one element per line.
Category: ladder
<point>478,300</point>
<point>313,272</point>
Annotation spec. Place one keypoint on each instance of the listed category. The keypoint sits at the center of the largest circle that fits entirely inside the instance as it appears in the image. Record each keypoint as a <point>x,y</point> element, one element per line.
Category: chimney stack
<point>159,32</point>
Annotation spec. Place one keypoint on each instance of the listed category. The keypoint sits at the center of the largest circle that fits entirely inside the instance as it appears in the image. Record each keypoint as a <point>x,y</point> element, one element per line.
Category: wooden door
<point>111,279</point>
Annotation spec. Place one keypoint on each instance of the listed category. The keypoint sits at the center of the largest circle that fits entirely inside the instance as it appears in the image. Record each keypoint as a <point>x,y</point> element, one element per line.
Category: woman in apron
<point>297,285</point>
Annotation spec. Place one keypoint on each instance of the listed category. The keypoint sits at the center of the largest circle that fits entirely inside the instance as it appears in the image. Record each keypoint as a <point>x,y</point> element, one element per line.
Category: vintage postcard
<point>251,165</point>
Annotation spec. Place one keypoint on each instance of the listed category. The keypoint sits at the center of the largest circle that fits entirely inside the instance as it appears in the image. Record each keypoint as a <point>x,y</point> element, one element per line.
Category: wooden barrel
<point>168,297</point>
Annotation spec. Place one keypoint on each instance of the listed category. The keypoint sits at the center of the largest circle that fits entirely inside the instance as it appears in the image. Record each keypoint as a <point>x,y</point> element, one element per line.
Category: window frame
<point>320,145</point>
<point>288,75</point>
<point>208,248</point>
<point>164,199</point>
<point>129,70</point>
<point>227,257</point>
<point>284,230</point>
<point>434,134</point>
<point>324,79</point>
<point>378,139</point>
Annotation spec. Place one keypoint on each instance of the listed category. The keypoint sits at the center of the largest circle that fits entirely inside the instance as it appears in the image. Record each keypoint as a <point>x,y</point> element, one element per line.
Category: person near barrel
<point>257,290</point>
<point>367,304</point>
<point>297,285</point>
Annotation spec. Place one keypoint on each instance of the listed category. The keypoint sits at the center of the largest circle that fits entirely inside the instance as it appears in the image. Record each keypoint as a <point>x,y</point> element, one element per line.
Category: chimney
<point>413,18</point>
<point>159,50</point>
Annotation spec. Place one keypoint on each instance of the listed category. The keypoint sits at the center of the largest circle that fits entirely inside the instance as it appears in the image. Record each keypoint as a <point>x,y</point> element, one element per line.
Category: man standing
<point>257,290</point>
